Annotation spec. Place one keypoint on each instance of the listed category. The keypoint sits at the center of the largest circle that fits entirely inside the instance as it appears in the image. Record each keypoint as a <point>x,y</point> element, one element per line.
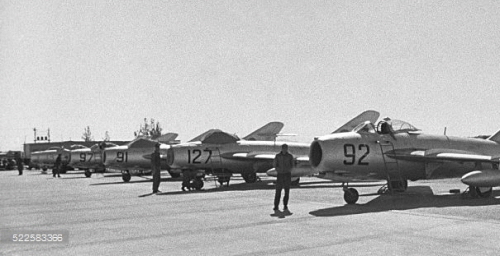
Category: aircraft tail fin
<point>267,132</point>
<point>167,137</point>
<point>495,137</point>
<point>369,115</point>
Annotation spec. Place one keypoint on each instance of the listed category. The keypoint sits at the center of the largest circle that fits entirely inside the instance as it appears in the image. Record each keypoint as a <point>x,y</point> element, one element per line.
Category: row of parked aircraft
<point>362,150</point>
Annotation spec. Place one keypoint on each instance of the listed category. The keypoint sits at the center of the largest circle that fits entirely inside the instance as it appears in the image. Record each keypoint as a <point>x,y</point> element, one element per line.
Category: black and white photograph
<point>232,127</point>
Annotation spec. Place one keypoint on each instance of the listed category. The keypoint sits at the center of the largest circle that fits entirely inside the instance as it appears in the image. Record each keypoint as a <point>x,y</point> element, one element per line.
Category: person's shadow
<point>281,214</point>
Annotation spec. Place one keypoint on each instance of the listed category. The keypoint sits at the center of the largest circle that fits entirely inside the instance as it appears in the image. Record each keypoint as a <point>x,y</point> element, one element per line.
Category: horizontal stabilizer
<point>495,137</point>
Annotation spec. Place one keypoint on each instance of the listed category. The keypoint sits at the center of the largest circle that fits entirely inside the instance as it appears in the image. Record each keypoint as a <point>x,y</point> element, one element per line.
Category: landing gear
<point>249,177</point>
<point>174,175</point>
<point>192,180</point>
<point>295,181</point>
<point>126,176</point>
<point>475,192</point>
<point>394,186</point>
<point>196,183</point>
<point>88,173</point>
<point>224,179</point>
<point>351,195</point>
<point>399,185</point>
<point>484,192</point>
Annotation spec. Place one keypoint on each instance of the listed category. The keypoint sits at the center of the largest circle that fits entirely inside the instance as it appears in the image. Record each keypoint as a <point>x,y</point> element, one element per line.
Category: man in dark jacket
<point>20,164</point>
<point>283,163</point>
<point>57,166</point>
<point>156,168</point>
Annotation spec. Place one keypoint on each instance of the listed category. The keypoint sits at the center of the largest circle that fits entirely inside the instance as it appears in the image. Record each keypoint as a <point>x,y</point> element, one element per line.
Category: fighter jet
<point>135,157</point>
<point>47,158</point>
<point>89,159</point>
<point>222,154</point>
<point>396,151</point>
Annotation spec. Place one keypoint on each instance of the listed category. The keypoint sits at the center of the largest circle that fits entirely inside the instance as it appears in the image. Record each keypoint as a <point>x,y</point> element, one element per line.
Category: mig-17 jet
<point>396,151</point>
<point>47,158</point>
<point>221,154</point>
<point>89,159</point>
<point>135,157</point>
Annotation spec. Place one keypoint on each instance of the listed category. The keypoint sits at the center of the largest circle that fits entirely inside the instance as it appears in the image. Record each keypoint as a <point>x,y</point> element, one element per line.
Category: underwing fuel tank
<point>482,178</point>
<point>296,171</point>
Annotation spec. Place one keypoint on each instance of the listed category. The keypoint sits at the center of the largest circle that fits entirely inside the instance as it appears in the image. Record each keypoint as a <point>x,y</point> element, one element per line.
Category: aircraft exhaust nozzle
<point>482,178</point>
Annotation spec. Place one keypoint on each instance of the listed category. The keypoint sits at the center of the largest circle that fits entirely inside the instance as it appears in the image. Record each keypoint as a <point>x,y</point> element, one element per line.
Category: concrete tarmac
<point>105,216</point>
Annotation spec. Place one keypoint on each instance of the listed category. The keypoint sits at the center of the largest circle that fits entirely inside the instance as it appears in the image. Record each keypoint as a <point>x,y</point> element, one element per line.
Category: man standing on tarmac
<point>20,164</point>
<point>156,168</point>
<point>283,163</point>
<point>57,167</point>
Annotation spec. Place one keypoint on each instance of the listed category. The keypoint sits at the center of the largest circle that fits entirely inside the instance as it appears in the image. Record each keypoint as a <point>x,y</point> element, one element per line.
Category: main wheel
<point>399,185</point>
<point>250,177</point>
<point>351,196</point>
<point>223,179</point>
<point>197,184</point>
<point>126,176</point>
<point>88,173</point>
<point>296,181</point>
<point>484,192</point>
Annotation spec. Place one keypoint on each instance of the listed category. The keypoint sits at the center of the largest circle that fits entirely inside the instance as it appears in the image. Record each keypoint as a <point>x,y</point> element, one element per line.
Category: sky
<point>236,65</point>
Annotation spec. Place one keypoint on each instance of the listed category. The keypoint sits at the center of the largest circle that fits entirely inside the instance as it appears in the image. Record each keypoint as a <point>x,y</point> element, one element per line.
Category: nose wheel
<point>351,195</point>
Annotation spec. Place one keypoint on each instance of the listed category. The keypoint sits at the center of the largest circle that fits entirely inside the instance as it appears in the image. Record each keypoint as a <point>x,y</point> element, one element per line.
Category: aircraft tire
<point>197,184</point>
<point>250,177</point>
<point>222,179</point>
<point>88,173</point>
<point>126,176</point>
<point>484,192</point>
<point>174,175</point>
<point>351,196</point>
<point>399,185</point>
<point>296,182</point>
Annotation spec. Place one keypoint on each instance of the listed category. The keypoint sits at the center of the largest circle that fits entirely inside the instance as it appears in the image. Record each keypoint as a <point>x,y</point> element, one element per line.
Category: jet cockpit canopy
<point>385,126</point>
<point>394,125</point>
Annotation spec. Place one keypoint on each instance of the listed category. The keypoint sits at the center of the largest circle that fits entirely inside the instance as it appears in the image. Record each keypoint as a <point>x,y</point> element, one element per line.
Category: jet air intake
<point>315,154</point>
<point>170,157</point>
